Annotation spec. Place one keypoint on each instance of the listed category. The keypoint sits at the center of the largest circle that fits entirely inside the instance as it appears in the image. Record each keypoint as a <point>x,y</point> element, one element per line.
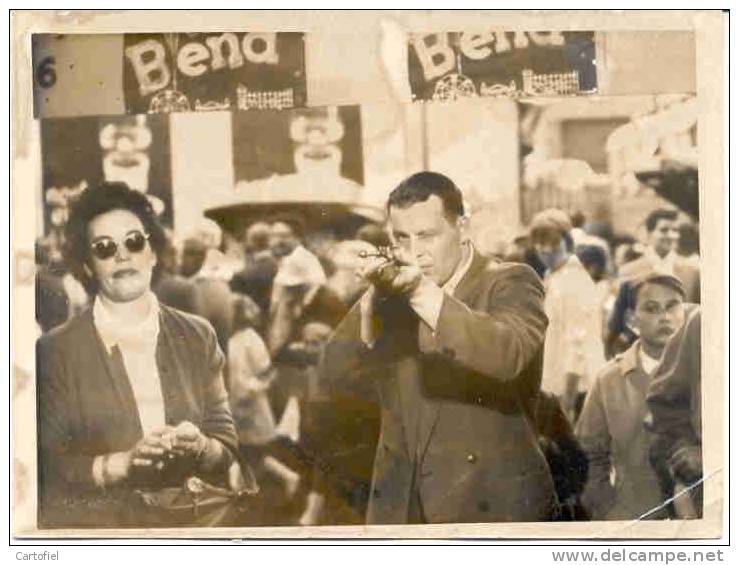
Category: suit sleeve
<point>673,412</point>
<point>345,354</point>
<point>217,419</point>
<point>59,465</point>
<point>501,340</point>
<point>595,439</point>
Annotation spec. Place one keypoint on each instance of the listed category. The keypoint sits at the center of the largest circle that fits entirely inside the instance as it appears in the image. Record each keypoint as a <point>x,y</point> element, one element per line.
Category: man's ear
<point>463,224</point>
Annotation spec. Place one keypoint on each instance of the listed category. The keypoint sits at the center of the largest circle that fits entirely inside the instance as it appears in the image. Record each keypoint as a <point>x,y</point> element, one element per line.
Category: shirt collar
<point>666,263</point>
<point>462,267</point>
<point>114,332</point>
<point>629,359</point>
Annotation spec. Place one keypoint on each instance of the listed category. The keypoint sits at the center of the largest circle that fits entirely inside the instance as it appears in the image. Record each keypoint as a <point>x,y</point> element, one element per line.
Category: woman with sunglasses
<point>131,394</point>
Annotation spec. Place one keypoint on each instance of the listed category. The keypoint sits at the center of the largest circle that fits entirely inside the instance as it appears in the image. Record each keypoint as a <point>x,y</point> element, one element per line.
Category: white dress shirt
<point>664,264</point>
<point>428,298</point>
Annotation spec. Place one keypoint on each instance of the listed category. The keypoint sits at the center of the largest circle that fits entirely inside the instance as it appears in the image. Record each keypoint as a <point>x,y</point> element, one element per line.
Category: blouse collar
<point>114,331</point>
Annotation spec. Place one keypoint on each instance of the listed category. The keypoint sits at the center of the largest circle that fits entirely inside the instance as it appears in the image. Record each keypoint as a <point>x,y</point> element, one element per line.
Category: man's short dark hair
<point>95,201</point>
<point>420,186</point>
<point>659,214</point>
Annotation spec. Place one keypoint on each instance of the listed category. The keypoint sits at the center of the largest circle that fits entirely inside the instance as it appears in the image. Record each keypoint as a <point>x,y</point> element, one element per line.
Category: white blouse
<point>137,344</point>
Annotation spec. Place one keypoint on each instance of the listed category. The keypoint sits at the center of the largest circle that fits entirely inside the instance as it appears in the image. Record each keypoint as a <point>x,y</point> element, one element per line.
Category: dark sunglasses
<point>106,247</point>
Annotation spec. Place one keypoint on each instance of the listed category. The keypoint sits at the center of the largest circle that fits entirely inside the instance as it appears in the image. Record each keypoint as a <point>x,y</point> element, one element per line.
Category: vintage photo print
<point>376,274</point>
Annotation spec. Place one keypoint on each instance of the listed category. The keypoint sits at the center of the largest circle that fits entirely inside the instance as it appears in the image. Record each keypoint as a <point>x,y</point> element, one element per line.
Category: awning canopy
<point>323,202</point>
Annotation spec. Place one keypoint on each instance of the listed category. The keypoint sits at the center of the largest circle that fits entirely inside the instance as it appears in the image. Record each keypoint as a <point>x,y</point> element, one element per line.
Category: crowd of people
<point>582,335</point>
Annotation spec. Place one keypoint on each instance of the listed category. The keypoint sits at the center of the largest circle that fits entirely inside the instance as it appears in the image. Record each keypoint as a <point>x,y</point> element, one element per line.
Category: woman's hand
<point>150,452</point>
<point>188,440</point>
<point>208,453</point>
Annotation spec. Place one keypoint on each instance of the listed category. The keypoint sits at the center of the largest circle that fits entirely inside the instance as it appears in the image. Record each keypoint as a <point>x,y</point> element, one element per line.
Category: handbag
<point>197,503</point>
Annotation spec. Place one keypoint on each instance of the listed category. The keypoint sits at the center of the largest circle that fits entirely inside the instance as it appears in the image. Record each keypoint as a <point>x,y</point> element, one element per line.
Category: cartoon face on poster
<point>324,141</point>
<point>82,152</point>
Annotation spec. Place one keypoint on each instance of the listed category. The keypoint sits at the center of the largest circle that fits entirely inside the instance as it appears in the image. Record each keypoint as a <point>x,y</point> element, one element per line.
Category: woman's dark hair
<point>97,200</point>
<point>420,186</point>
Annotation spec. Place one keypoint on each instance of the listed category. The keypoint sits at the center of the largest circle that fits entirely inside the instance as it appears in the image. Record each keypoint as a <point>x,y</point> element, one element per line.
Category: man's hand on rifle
<point>394,274</point>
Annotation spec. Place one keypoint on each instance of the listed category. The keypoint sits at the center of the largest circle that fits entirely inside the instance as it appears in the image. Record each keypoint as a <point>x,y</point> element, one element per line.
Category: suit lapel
<point>170,357</point>
<point>113,366</point>
<point>429,410</point>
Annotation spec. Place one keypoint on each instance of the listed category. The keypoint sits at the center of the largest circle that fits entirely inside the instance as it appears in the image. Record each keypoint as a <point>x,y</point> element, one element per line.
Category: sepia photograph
<point>274,278</point>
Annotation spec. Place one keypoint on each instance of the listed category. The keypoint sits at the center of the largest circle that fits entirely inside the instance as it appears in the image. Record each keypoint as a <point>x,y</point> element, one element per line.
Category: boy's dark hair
<point>659,214</point>
<point>97,200</point>
<point>420,186</point>
<point>661,279</point>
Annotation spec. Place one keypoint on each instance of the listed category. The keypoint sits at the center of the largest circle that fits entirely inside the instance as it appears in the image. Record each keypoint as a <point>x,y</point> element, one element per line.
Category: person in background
<point>611,427</point>
<point>173,289</point>
<point>299,284</point>
<point>659,255</point>
<point>300,296</point>
<point>565,456</point>
<point>520,250</point>
<point>215,300</point>
<point>625,250</point>
<point>260,267</point>
<point>573,349</point>
<point>595,260</point>
<point>688,243</point>
<point>251,374</point>
<point>674,400</point>
<point>52,304</point>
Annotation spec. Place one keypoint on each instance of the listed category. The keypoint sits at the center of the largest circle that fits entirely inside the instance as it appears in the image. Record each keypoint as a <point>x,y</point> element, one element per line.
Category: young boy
<point>611,426</point>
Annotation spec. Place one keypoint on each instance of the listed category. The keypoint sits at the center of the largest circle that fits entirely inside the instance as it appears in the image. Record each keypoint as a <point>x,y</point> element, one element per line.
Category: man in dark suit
<point>454,344</point>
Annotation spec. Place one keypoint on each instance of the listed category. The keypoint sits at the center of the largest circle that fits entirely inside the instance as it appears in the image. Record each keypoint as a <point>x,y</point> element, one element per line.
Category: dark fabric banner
<point>182,72</point>
<point>80,152</point>
<point>449,66</point>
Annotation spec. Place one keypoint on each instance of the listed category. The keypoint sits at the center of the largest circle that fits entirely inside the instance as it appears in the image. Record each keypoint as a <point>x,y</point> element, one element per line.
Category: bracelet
<point>107,478</point>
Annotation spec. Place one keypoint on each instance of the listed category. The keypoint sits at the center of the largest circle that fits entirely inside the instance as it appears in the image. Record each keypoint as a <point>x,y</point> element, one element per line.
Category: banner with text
<point>450,66</point>
<point>183,72</point>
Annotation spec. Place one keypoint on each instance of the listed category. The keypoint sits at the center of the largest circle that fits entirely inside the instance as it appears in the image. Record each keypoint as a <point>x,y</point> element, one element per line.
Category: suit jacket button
<point>471,458</point>
<point>448,352</point>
